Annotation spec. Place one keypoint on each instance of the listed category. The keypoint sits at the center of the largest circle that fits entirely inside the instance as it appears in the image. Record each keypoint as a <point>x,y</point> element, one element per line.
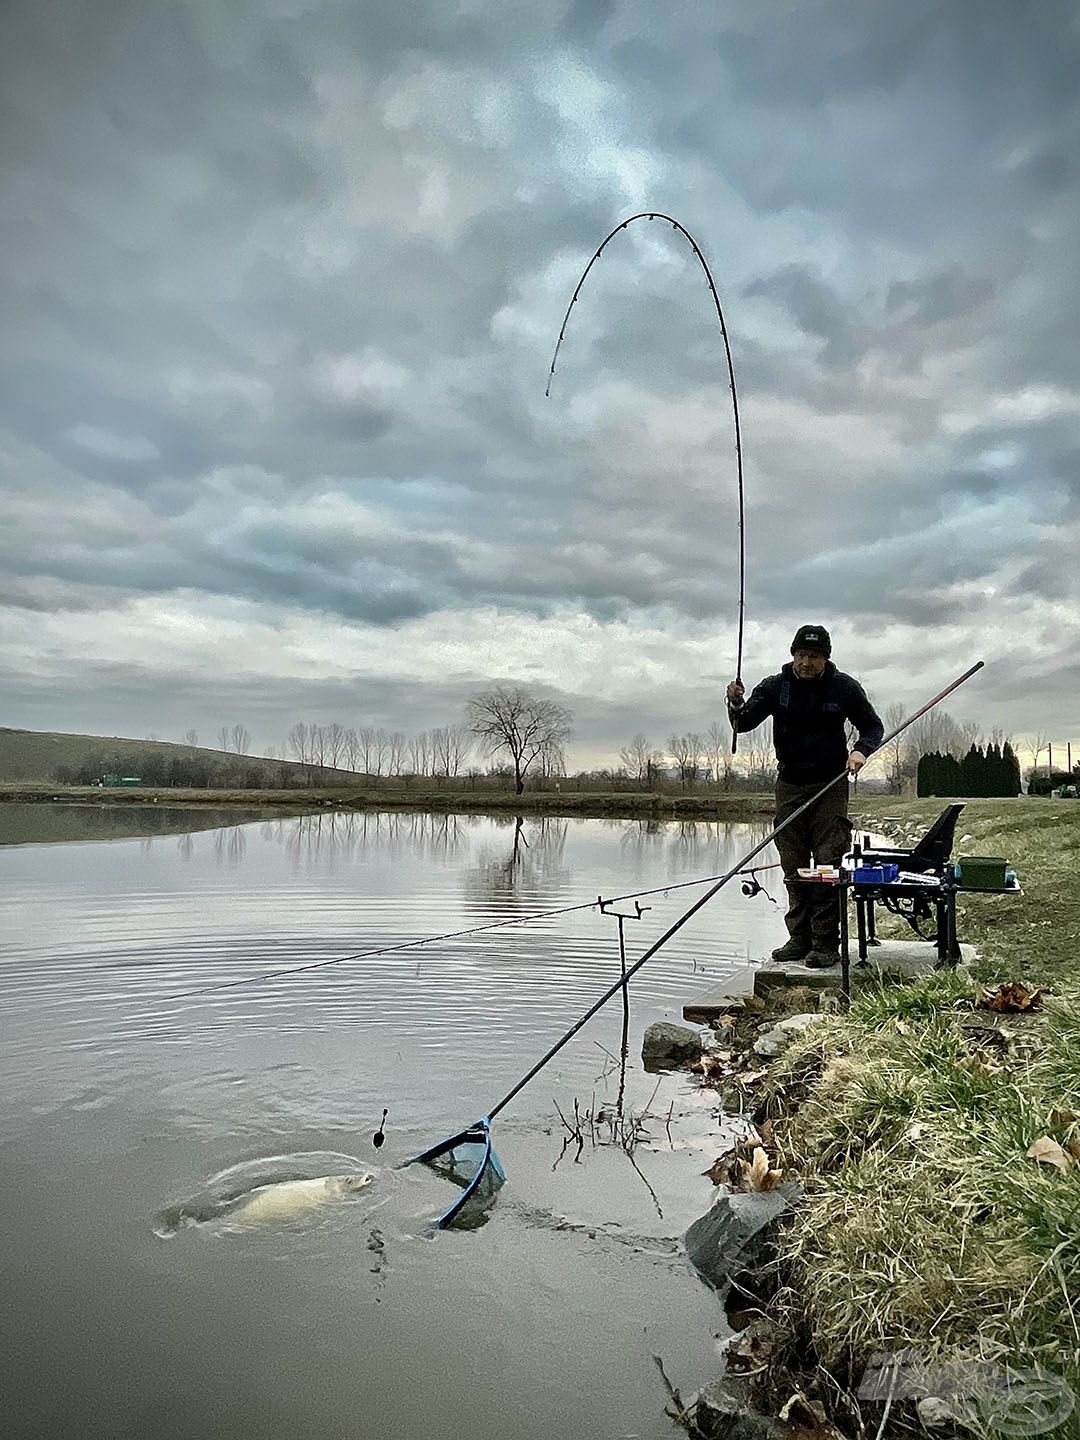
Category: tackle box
<point>882,874</point>
<point>981,872</point>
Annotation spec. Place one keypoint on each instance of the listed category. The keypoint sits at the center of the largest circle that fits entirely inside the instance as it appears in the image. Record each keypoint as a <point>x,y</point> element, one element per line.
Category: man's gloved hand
<point>735,692</point>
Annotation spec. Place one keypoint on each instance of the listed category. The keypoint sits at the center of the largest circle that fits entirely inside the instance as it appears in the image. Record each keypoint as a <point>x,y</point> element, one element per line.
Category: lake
<point>125,1089</point>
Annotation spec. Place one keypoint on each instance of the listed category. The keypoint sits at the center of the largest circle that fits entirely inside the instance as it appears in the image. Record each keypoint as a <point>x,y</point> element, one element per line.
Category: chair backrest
<point>935,847</point>
<point>931,852</point>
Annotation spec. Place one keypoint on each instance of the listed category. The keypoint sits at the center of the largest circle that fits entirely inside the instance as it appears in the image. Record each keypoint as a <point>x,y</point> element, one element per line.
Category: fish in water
<point>289,1198</point>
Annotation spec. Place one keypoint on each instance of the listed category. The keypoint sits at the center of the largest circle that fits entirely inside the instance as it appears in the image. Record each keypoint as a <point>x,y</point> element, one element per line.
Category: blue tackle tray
<point>875,874</point>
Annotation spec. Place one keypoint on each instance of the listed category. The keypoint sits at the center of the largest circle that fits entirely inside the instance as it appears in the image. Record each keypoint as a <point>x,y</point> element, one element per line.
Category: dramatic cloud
<point>282,279</point>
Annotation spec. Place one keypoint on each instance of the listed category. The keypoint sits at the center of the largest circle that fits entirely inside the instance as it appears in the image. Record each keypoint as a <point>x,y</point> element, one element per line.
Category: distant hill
<point>29,756</point>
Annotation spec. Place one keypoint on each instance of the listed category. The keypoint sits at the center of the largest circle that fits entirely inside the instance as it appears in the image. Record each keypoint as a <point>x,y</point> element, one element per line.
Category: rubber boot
<point>794,949</point>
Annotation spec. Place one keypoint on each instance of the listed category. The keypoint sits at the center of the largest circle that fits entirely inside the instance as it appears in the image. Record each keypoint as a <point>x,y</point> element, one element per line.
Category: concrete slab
<point>720,997</point>
<point>899,959</point>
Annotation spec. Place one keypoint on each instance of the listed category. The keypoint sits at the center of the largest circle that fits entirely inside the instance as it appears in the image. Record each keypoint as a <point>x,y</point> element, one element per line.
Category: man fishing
<point>810,702</point>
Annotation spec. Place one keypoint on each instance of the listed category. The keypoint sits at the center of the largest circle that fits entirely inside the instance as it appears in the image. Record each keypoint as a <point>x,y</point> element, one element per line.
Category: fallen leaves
<point>806,1420</point>
<point>713,1064</point>
<point>746,1167</point>
<point>1049,1152</point>
<point>1011,998</point>
<point>982,1062</point>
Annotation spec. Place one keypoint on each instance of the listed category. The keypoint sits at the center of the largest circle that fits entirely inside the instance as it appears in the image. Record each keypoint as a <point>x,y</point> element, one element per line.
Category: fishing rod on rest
<point>704,899</point>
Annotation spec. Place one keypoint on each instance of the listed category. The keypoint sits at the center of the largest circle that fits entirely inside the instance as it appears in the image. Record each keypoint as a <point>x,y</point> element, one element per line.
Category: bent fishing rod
<point>659,215</point>
<point>704,899</point>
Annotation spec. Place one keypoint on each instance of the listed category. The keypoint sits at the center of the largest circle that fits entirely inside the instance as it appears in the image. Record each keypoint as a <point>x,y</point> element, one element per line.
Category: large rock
<point>668,1047</point>
<point>722,1412</point>
<point>728,1237</point>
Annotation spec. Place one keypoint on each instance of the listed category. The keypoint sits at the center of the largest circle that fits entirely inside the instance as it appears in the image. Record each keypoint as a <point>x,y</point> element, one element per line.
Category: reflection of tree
<point>230,845</point>
<point>348,833</point>
<point>533,860</point>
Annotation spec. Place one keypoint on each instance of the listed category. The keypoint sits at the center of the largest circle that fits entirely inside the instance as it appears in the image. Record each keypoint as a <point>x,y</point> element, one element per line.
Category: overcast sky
<point>282,280</point>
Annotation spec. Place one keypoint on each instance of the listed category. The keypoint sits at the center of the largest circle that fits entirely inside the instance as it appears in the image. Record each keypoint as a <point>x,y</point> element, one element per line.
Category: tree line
<point>510,735</point>
<point>993,771</point>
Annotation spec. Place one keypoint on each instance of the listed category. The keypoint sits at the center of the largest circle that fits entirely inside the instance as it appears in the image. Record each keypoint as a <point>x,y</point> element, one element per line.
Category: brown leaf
<point>1049,1152</point>
<point>980,1060</point>
<point>753,1002</point>
<point>750,1077</point>
<point>1063,1118</point>
<point>903,1027</point>
<point>758,1173</point>
<point>766,1129</point>
<point>1073,1147</point>
<point>719,1172</point>
<point>1011,997</point>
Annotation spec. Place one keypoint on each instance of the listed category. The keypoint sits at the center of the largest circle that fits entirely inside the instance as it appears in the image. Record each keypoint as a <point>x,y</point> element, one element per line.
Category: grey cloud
<point>206,204</point>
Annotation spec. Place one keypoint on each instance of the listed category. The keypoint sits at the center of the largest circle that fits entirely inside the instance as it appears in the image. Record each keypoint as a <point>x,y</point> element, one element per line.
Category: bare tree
<point>635,758</point>
<point>439,762</point>
<point>892,754</point>
<point>396,746</point>
<point>450,746</point>
<point>191,737</point>
<point>317,744</point>
<point>297,743</point>
<point>241,739</point>
<point>351,750</point>
<point>718,749</point>
<point>1034,747</point>
<point>420,753</point>
<point>760,758</point>
<point>686,751</point>
<point>365,739</point>
<point>335,744</point>
<point>551,760</point>
<point>379,744</point>
<point>520,724</point>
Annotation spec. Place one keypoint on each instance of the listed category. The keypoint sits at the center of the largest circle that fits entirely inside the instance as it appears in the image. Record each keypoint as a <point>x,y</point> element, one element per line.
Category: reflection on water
<point>49,824</point>
<point>530,858</point>
<point>124,1091</point>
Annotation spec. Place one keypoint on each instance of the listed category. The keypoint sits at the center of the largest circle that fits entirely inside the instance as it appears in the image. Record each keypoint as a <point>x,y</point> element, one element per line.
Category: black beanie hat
<point>812,637</point>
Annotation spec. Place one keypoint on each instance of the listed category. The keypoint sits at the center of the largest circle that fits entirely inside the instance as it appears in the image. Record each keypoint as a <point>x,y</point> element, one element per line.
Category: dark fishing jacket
<point>809,722</point>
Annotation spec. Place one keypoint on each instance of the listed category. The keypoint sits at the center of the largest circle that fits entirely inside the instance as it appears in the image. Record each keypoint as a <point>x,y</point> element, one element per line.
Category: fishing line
<point>452,935</point>
<point>659,215</point>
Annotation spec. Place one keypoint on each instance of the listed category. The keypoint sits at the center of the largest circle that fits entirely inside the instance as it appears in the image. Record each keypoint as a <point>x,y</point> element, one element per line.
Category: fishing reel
<point>752,886</point>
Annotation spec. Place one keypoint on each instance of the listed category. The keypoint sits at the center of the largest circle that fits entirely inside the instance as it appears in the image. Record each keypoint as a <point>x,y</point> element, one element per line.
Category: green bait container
<point>982,872</point>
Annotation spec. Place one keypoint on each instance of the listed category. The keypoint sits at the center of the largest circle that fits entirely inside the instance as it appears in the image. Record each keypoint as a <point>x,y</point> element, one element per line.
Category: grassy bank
<point>645,806</point>
<point>909,1120</point>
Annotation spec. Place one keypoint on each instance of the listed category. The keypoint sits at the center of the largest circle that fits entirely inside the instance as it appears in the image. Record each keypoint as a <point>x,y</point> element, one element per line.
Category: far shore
<point>687,805</point>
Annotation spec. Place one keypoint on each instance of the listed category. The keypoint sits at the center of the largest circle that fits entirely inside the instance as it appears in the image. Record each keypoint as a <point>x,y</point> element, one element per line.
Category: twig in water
<point>682,1415</point>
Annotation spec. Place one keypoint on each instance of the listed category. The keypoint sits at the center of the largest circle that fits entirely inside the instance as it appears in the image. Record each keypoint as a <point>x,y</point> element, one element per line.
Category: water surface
<point>124,1091</point>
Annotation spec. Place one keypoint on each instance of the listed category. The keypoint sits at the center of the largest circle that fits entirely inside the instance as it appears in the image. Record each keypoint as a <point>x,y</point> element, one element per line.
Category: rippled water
<point>125,1088</point>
